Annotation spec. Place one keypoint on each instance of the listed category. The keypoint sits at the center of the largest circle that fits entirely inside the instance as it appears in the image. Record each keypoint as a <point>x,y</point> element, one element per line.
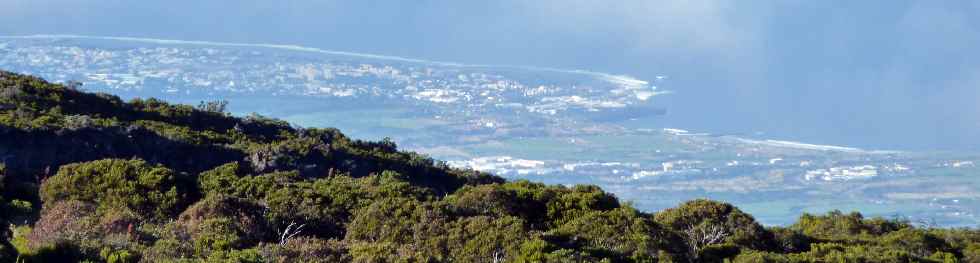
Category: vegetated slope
<point>88,177</point>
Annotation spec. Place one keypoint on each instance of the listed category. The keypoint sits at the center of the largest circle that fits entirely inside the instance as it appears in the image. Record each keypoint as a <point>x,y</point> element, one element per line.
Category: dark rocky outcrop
<point>41,152</point>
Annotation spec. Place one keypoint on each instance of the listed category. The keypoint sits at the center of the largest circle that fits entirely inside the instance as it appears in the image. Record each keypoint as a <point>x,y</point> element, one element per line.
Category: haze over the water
<point>870,74</point>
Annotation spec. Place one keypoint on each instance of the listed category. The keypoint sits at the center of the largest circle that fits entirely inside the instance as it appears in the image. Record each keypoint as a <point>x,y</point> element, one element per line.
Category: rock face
<point>39,152</point>
<point>308,159</point>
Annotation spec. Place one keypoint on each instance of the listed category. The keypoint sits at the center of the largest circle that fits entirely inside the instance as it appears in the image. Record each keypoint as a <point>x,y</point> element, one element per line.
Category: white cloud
<point>702,25</point>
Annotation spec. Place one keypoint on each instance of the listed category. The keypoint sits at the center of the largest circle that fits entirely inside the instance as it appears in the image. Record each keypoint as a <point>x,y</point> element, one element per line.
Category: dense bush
<point>150,190</point>
<point>481,238</point>
<point>700,219</point>
<point>623,233</point>
<point>306,249</point>
<point>221,223</point>
<point>75,229</point>
<point>972,252</point>
<point>838,226</point>
<point>544,206</point>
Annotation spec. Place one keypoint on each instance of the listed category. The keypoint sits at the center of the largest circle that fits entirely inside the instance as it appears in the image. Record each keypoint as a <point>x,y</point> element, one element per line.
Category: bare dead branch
<point>700,236</point>
<point>290,232</point>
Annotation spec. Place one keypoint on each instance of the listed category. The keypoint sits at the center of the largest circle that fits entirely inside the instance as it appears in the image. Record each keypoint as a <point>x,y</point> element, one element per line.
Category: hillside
<point>89,177</point>
<point>556,126</point>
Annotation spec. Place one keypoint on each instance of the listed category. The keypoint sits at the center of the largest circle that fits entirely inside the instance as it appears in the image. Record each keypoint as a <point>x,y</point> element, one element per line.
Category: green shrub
<point>944,257</point>
<point>475,239</point>
<point>622,233</point>
<point>972,253</point>
<point>58,252</point>
<point>19,239</point>
<point>791,240</point>
<point>220,180</point>
<point>387,220</point>
<point>384,252</point>
<point>491,200</point>
<point>306,249</point>
<point>216,235</point>
<point>230,179</point>
<point>235,256</point>
<point>736,226</point>
<point>302,205</point>
<point>65,221</point>
<point>260,186</point>
<point>219,223</point>
<point>537,250</point>
<point>118,256</point>
<point>151,190</point>
<point>918,242</point>
<point>837,226</point>
<point>836,252</point>
<point>541,206</point>
<point>173,244</point>
<point>761,257</point>
<point>410,229</point>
